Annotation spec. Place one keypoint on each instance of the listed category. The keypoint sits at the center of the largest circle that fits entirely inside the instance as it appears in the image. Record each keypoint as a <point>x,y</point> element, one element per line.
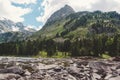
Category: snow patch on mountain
<point>2,18</point>
<point>15,29</point>
<point>7,25</point>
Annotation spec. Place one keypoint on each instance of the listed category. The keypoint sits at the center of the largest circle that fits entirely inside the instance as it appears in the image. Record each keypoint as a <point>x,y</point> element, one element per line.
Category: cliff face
<point>60,14</point>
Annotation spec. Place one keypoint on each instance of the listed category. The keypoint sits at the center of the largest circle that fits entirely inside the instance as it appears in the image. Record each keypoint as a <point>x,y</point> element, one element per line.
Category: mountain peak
<point>61,13</point>
<point>68,7</point>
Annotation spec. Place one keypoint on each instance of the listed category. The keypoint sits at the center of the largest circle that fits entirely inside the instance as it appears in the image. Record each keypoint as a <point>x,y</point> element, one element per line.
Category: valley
<point>65,34</point>
<point>71,45</point>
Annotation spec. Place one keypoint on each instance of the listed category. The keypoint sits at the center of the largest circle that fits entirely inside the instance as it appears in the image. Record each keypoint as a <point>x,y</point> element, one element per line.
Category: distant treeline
<point>94,46</point>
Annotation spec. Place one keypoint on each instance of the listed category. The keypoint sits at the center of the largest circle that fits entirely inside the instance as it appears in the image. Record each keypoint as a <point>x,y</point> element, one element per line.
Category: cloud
<point>50,6</point>
<point>33,27</point>
<point>12,12</point>
<point>107,5</point>
<point>24,1</point>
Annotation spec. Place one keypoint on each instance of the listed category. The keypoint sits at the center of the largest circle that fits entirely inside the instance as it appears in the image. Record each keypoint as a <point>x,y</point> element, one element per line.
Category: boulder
<point>100,66</point>
<point>116,58</point>
<point>115,78</point>
<point>14,69</point>
<point>9,76</point>
<point>58,69</point>
<point>31,68</point>
<point>96,76</point>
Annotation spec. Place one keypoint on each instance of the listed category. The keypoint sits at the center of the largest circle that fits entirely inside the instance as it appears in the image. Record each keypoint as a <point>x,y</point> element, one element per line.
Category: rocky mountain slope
<point>80,24</point>
<point>55,17</point>
<point>60,14</point>
<point>7,25</point>
<point>11,31</point>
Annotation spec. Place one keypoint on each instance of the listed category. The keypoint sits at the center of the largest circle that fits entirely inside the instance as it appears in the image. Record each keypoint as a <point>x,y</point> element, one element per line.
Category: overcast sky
<point>34,13</point>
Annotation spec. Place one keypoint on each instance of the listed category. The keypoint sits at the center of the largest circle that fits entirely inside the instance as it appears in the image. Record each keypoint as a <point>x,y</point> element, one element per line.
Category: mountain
<point>7,25</point>
<point>11,31</point>
<point>58,15</point>
<point>80,25</point>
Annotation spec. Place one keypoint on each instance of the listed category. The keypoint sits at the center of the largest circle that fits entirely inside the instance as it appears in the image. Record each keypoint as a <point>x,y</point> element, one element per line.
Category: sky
<point>34,13</point>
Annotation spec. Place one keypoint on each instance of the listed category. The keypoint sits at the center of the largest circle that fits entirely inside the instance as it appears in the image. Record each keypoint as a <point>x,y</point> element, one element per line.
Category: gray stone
<point>15,70</point>
<point>115,78</point>
<point>96,76</point>
<point>9,76</point>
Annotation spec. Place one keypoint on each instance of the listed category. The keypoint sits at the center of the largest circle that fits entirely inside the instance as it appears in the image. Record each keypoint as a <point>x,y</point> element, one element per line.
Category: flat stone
<point>115,78</point>
<point>108,76</point>
<point>96,76</point>
<point>15,70</point>
<point>45,67</point>
<point>9,76</point>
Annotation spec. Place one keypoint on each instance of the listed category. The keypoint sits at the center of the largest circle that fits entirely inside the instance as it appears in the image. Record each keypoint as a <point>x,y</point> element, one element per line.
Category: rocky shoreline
<point>84,68</point>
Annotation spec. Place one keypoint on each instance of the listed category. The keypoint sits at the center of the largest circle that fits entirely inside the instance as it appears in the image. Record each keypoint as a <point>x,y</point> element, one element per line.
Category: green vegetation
<point>82,24</point>
<point>61,55</point>
<point>105,56</point>
<point>79,34</point>
<point>98,46</point>
<point>44,54</point>
<point>41,54</point>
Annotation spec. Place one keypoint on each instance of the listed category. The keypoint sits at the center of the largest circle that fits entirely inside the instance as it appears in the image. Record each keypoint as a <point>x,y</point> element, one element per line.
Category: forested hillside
<point>82,24</point>
<point>70,33</point>
<point>95,46</point>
